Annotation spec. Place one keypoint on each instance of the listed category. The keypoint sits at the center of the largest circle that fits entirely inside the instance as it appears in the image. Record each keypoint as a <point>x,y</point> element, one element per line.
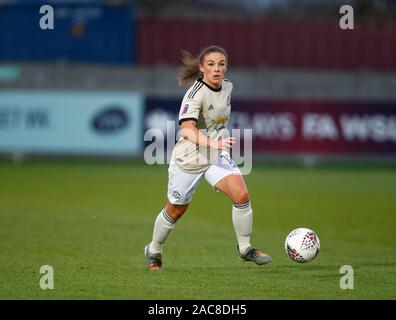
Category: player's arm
<point>190,132</point>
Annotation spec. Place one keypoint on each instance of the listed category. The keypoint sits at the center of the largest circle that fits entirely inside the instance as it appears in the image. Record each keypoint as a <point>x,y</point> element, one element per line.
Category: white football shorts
<point>181,185</point>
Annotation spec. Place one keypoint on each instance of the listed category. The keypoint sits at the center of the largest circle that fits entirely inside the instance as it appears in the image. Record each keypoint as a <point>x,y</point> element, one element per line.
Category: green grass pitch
<point>91,220</point>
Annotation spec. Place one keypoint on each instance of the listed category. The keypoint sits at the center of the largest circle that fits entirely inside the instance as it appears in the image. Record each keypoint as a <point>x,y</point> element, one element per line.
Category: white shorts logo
<point>176,194</point>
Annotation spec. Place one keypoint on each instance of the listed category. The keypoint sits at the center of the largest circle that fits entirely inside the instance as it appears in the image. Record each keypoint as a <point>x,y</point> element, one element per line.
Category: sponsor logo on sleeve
<point>185,109</point>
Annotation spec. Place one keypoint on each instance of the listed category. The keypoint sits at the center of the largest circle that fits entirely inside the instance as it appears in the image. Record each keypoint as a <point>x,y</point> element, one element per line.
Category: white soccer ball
<point>302,245</point>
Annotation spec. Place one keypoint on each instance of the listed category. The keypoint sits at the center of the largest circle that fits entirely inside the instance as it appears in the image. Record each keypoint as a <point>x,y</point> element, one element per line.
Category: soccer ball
<point>302,245</point>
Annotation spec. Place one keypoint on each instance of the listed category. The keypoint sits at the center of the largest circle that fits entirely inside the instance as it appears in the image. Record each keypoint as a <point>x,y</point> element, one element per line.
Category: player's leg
<point>226,177</point>
<point>242,217</point>
<point>181,186</point>
<point>234,187</point>
<point>163,225</point>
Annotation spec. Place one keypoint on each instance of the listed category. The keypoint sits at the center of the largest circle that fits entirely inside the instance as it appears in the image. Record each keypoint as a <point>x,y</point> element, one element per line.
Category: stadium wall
<point>305,87</point>
<point>313,44</point>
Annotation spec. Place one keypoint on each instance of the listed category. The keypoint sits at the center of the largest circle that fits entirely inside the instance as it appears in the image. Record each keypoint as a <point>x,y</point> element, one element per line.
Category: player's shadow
<point>270,268</point>
<point>282,269</point>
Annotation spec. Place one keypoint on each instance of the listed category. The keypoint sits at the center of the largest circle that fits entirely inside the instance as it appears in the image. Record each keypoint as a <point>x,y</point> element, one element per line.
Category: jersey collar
<point>211,88</point>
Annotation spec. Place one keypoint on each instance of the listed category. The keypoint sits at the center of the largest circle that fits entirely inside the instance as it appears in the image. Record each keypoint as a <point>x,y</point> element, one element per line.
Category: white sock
<point>162,227</point>
<point>242,218</point>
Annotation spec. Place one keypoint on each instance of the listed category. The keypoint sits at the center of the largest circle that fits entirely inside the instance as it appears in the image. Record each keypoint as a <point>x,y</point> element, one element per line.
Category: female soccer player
<point>202,151</point>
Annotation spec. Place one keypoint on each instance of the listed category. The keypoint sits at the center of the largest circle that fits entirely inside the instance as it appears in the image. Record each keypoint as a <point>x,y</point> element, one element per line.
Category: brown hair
<point>189,71</point>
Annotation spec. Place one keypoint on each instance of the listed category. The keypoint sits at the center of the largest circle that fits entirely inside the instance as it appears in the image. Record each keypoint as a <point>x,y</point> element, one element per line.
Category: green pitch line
<point>90,221</point>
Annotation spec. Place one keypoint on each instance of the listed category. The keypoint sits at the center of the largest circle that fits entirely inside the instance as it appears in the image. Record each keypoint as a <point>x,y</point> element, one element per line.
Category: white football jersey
<point>211,108</point>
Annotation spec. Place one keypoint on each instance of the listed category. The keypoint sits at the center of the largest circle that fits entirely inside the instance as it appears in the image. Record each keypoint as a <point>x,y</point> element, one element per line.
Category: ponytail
<point>189,71</point>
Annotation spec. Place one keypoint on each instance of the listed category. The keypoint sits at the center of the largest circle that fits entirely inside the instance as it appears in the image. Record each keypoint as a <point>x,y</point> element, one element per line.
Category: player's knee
<point>241,197</point>
<point>176,211</point>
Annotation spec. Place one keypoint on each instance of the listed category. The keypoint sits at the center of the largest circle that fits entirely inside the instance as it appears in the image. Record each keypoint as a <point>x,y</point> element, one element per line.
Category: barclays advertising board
<point>71,122</point>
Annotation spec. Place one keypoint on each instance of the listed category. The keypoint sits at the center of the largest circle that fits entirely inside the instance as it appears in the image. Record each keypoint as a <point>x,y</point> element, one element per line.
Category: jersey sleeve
<point>191,106</point>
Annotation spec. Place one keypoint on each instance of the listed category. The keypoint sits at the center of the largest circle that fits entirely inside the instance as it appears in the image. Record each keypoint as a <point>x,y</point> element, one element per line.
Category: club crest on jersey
<point>220,123</point>
<point>221,120</point>
<point>185,109</point>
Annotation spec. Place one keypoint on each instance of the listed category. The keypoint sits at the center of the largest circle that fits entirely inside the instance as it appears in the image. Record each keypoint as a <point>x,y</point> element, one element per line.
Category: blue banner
<point>71,122</point>
<point>75,33</point>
